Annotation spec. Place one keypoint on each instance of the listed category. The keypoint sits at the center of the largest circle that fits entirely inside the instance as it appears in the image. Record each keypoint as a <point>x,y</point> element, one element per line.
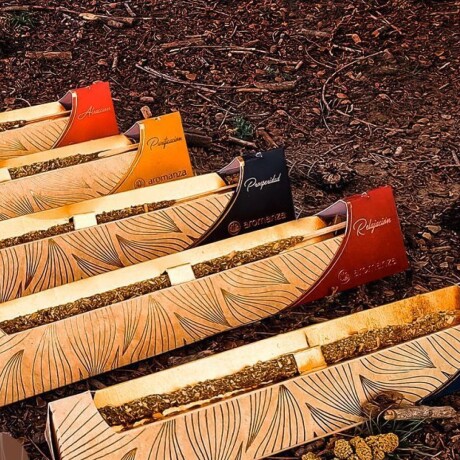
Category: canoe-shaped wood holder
<point>153,151</point>
<point>260,399</point>
<point>66,334</point>
<point>55,247</point>
<point>81,115</point>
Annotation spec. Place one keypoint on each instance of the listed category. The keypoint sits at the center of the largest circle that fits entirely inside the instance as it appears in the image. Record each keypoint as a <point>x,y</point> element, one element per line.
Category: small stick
<point>242,142</point>
<point>171,79</point>
<point>420,413</point>
<point>346,66</point>
<point>82,14</point>
<point>283,86</point>
<point>49,55</point>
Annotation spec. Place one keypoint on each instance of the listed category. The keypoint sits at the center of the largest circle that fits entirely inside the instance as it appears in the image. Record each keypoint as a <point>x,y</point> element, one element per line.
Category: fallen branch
<point>196,138</point>
<point>420,413</point>
<point>252,90</point>
<point>266,137</point>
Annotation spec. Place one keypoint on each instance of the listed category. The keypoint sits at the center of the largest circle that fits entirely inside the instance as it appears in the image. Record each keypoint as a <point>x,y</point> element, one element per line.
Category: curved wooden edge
<point>84,148</point>
<point>156,193</point>
<point>30,113</point>
<point>264,422</point>
<point>150,269</point>
<point>34,267</point>
<point>57,354</point>
<point>231,361</point>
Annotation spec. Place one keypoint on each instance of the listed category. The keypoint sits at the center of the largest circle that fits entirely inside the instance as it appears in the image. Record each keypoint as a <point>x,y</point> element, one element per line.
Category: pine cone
<point>332,175</point>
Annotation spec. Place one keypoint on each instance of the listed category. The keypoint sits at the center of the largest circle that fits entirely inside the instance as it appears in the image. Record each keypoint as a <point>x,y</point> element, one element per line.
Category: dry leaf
<point>356,38</point>
<point>89,16</point>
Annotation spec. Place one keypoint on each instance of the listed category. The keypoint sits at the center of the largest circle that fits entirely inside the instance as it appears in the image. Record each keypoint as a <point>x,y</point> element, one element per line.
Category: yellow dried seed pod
<point>342,449</point>
<point>389,442</point>
<point>310,456</point>
<point>362,450</point>
<point>378,454</point>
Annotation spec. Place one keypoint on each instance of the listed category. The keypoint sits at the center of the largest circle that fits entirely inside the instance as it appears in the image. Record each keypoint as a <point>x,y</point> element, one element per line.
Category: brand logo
<point>168,177</point>
<point>252,182</point>
<point>139,183</point>
<point>363,226</point>
<point>344,277</point>
<point>92,111</point>
<point>234,228</point>
<point>157,142</point>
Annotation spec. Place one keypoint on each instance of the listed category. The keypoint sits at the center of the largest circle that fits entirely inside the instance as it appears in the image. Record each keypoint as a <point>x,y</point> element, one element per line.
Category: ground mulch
<point>361,93</point>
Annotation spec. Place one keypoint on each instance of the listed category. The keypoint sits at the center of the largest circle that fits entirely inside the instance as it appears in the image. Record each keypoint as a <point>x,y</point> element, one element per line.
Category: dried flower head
<point>310,456</point>
<point>362,450</point>
<point>343,449</point>
<point>387,443</point>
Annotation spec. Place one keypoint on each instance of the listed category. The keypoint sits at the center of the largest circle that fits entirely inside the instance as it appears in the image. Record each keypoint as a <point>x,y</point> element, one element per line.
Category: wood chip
<point>66,55</point>
<point>275,87</point>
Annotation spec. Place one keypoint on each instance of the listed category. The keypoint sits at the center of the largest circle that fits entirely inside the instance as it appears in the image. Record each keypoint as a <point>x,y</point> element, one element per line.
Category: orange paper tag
<point>162,155</point>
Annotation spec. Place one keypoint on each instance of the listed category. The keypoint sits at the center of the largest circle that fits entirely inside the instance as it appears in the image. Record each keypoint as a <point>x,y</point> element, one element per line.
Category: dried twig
<point>420,413</point>
<point>196,138</point>
<point>84,15</point>
<point>171,79</point>
<point>282,86</point>
<point>242,142</point>
<point>67,55</point>
<point>346,66</point>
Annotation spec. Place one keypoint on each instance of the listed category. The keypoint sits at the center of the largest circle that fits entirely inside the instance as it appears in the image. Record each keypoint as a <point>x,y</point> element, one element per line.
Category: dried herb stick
<point>151,407</point>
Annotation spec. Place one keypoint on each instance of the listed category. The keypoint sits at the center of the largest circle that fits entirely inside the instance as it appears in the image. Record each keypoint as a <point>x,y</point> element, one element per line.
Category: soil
<point>202,269</point>
<point>152,407</point>
<point>281,72</point>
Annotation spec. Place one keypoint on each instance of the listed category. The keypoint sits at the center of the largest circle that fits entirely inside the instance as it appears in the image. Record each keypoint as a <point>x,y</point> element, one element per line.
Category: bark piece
<point>66,55</point>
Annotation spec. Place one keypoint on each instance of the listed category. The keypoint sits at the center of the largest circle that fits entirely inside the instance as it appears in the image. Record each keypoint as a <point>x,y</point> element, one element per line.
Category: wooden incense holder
<point>58,246</point>
<point>321,400</point>
<point>142,323</point>
<point>81,115</point>
<point>63,176</point>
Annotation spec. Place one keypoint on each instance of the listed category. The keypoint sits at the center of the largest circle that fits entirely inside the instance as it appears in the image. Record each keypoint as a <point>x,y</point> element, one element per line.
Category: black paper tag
<point>263,197</point>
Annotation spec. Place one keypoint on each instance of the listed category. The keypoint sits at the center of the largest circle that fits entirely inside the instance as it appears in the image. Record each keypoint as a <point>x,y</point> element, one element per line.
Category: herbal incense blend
<point>101,218</point>
<point>151,407</point>
<point>369,341</point>
<point>51,165</point>
<point>57,313</point>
